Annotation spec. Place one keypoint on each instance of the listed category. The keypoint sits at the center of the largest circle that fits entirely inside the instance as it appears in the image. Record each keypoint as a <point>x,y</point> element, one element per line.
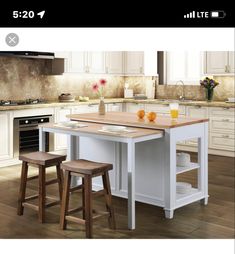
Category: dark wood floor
<point>192,221</point>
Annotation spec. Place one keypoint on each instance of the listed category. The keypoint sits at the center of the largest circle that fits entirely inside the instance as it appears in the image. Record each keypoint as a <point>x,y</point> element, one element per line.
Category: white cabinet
<point>77,62</point>
<point>114,107</point>
<point>114,62</point>
<point>163,109</point>
<point>86,62</point>
<point>134,107</point>
<point>60,116</point>
<point>231,61</point>
<point>219,62</point>
<point>195,112</point>
<point>96,62</point>
<point>6,135</point>
<point>221,135</point>
<point>134,62</point>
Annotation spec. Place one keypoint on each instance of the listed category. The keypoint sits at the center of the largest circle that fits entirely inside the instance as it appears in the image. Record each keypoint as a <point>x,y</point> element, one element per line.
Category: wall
<point>224,90</point>
<point>23,78</point>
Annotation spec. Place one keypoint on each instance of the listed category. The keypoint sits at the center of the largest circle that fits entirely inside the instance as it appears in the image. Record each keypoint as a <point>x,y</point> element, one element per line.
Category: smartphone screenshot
<point>117,126</point>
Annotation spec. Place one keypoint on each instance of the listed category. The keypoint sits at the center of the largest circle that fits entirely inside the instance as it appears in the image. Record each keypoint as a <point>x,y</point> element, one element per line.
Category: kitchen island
<point>144,159</point>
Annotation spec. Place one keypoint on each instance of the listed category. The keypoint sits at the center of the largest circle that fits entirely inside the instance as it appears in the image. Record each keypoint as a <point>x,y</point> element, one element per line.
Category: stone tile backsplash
<point>23,78</point>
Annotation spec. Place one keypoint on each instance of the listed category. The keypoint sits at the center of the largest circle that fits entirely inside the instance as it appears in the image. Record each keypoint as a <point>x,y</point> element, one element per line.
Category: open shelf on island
<point>191,192</point>
<point>192,166</point>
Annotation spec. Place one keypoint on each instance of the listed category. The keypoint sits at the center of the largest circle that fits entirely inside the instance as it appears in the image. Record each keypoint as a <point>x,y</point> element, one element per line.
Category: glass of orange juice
<point>174,110</point>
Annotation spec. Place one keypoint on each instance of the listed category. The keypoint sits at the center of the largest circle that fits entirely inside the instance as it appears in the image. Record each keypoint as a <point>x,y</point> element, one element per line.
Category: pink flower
<point>103,82</point>
<point>95,87</point>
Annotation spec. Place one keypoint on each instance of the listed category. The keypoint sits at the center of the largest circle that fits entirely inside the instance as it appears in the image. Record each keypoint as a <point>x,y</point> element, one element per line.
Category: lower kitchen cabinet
<point>114,107</point>
<point>134,107</point>
<point>221,141</point>
<point>221,132</point>
<point>60,140</point>
<point>6,135</point>
<point>195,112</point>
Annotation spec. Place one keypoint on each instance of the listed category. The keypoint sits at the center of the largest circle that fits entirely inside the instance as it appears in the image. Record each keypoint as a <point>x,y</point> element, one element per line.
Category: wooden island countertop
<point>131,120</point>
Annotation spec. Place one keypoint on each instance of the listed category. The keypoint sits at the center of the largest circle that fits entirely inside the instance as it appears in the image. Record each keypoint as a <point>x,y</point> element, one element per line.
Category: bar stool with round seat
<point>87,170</point>
<point>42,160</point>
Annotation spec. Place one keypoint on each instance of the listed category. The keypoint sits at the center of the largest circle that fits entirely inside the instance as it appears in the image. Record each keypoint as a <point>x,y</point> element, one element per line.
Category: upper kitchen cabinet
<point>86,62</point>
<point>114,62</point>
<point>219,62</point>
<point>134,63</point>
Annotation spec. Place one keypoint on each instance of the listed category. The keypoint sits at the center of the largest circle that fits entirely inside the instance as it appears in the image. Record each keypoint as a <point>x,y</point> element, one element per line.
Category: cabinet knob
<point>225,136</point>
<point>225,120</point>
<point>198,106</point>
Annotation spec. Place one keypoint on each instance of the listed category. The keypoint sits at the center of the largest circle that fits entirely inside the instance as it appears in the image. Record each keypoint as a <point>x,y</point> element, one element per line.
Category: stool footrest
<point>74,210</point>
<point>52,181</point>
<point>52,203</point>
<point>32,178</point>
<point>75,219</point>
<point>32,206</point>
<point>98,193</point>
<point>79,187</point>
<point>31,197</point>
<point>99,214</point>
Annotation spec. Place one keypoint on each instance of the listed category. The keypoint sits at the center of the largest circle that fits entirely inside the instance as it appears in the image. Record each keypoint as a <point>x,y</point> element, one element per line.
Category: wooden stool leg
<point>42,193</point>
<point>108,199</point>
<point>88,206</point>
<point>83,199</point>
<point>60,180</point>
<point>23,182</point>
<point>65,200</point>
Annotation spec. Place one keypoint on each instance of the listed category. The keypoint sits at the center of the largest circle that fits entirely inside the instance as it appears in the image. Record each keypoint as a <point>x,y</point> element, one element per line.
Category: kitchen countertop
<point>131,120</point>
<point>117,100</point>
<point>185,103</point>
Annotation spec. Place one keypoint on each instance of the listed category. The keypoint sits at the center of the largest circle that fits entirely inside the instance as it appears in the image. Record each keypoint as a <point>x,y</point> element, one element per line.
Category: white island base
<point>145,166</point>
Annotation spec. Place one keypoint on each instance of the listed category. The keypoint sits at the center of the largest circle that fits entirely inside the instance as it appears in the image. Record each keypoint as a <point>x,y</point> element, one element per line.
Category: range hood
<point>28,54</point>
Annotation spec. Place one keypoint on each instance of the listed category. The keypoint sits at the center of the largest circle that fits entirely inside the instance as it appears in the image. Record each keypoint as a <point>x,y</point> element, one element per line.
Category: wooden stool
<point>86,170</point>
<point>41,160</point>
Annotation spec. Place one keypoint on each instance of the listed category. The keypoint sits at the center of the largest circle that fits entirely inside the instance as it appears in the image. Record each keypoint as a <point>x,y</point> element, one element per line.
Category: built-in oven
<point>26,134</point>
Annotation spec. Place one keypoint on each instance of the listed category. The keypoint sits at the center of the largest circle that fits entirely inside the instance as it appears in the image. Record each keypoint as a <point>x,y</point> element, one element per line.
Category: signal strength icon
<point>190,15</point>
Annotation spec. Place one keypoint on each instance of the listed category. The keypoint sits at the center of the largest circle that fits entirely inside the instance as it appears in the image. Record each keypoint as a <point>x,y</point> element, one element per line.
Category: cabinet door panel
<point>222,141</point>
<point>6,134</point>
<point>216,62</point>
<point>96,62</point>
<point>134,62</point>
<point>61,139</point>
<point>77,62</point>
<point>134,107</point>
<point>114,62</point>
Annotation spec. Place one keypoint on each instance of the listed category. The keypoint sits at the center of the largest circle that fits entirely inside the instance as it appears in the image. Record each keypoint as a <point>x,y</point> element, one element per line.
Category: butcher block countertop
<point>93,128</point>
<point>131,119</point>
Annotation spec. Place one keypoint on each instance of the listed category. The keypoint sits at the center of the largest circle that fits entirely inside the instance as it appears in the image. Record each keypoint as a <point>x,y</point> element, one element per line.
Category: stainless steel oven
<point>26,134</point>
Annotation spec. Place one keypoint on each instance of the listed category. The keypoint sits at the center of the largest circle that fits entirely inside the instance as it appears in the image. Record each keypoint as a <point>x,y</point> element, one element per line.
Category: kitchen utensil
<point>66,97</point>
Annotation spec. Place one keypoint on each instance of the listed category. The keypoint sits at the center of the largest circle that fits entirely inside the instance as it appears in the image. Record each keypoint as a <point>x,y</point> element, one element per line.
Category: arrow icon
<point>41,14</point>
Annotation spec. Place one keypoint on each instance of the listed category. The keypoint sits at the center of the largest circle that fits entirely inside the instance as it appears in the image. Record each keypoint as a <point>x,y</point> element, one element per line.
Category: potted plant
<point>99,89</point>
<point>209,85</point>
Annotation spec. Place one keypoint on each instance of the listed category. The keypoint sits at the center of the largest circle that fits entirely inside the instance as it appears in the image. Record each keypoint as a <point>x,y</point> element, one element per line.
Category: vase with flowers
<point>98,88</point>
<point>209,85</point>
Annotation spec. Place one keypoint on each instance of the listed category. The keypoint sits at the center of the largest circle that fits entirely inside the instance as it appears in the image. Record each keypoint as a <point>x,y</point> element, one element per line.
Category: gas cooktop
<point>21,102</point>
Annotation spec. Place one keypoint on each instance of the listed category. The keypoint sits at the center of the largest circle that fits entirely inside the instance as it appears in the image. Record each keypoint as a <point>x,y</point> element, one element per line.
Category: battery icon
<point>217,14</point>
